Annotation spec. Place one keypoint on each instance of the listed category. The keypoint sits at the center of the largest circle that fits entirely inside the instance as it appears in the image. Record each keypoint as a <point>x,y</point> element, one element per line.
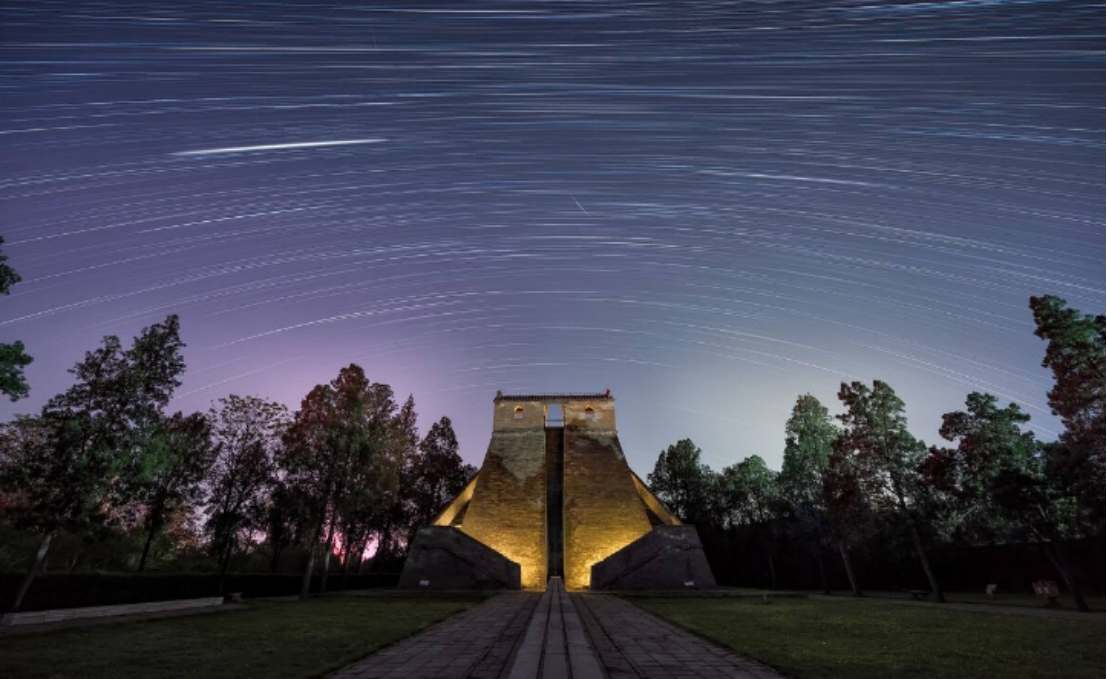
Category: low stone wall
<point>443,557</point>
<point>668,557</point>
<point>64,614</point>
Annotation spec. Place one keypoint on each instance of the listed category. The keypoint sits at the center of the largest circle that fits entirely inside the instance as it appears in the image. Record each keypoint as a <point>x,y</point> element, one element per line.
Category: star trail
<point>707,207</point>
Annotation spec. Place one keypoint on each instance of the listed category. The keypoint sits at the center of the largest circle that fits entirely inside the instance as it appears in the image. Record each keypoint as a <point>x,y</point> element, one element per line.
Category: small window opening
<point>589,413</point>
<point>518,412</point>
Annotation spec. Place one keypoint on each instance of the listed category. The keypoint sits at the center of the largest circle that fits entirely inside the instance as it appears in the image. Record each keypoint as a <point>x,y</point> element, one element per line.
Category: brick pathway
<point>556,645</point>
<point>477,643</point>
<point>632,643</point>
<point>554,635</point>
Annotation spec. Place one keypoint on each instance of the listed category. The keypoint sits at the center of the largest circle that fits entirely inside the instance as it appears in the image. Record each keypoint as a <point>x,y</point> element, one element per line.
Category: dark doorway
<point>555,486</point>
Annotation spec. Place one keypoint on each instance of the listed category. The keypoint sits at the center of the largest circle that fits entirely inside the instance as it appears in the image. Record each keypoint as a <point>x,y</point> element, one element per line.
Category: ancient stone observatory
<point>556,498</point>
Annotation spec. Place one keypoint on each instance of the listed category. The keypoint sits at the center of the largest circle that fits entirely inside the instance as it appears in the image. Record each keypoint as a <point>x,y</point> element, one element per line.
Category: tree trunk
<point>226,562</point>
<point>347,555</point>
<point>849,570</point>
<point>329,545</point>
<point>155,526</point>
<point>772,572</point>
<point>1062,567</point>
<point>275,561</point>
<point>305,585</point>
<point>934,587</point>
<point>40,558</point>
<point>818,554</point>
<point>378,558</point>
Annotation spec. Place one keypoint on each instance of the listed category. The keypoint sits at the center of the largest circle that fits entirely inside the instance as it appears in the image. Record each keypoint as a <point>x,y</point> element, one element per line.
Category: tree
<point>989,442</point>
<point>438,473</point>
<point>1000,470</point>
<point>344,448</point>
<point>13,357</point>
<point>748,494</point>
<point>887,456</point>
<point>1075,355</point>
<point>845,503</point>
<point>395,520</point>
<point>684,484</point>
<point>287,519</point>
<point>169,474</point>
<point>246,432</point>
<point>809,441</point>
<point>85,438</point>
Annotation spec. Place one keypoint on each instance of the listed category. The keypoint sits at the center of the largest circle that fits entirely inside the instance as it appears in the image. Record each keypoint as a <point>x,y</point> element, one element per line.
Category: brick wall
<point>508,509</point>
<point>603,512</point>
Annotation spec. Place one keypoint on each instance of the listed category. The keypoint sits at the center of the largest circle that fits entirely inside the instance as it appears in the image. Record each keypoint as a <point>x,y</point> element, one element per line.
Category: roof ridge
<point>593,396</point>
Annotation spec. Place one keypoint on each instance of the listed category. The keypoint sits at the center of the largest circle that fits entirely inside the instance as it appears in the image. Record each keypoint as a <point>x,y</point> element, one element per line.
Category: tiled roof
<point>555,397</point>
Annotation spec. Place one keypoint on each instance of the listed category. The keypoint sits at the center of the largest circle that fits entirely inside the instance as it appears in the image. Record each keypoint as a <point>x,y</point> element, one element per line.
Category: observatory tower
<point>555,497</point>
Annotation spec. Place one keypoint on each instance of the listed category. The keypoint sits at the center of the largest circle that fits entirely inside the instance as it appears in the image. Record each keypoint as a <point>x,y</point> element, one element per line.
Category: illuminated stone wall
<point>604,506</point>
<point>517,415</point>
<point>508,508</point>
<point>601,417</point>
<point>603,511</point>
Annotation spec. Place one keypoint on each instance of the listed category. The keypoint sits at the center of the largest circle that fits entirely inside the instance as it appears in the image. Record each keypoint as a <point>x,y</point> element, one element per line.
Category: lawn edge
<point>435,623</point>
<point>706,638</point>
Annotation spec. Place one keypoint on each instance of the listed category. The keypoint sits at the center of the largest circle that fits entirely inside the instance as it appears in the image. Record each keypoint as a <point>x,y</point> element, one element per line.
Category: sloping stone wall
<point>508,509</point>
<point>443,557</point>
<point>603,512</point>
<point>669,557</point>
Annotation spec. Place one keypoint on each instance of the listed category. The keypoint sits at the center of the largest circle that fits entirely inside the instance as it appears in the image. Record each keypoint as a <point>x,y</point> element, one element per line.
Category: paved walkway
<point>477,643</point>
<point>633,643</point>
<point>555,635</point>
<point>556,645</point>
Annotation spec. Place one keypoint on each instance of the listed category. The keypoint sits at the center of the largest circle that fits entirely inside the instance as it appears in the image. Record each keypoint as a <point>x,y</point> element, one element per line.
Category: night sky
<point>708,207</point>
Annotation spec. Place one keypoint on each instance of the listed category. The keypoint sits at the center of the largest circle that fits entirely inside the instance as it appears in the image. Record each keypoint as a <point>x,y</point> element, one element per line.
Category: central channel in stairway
<point>555,493</point>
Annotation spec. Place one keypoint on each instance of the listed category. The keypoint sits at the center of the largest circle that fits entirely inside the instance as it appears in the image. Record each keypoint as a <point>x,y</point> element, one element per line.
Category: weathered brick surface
<point>668,557</point>
<point>518,415</point>
<point>508,509</point>
<point>601,417</point>
<point>443,557</point>
<point>603,512</point>
<point>604,508</point>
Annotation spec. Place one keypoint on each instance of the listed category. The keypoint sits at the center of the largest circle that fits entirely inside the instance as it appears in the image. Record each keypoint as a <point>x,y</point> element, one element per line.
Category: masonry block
<point>603,512</point>
<point>508,509</point>
<point>668,557</point>
<point>446,558</point>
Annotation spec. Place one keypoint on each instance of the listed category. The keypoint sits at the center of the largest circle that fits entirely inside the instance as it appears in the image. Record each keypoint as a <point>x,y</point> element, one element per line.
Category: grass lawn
<point>268,640</point>
<point>810,639</point>
<point>1096,603</point>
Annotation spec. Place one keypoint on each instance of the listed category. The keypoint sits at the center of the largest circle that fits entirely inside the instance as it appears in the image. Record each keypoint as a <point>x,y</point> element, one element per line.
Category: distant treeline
<point>864,489</point>
<point>103,478</point>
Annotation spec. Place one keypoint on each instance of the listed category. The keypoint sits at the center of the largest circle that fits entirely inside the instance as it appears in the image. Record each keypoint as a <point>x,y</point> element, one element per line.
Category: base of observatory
<point>668,557</point>
<point>442,557</point>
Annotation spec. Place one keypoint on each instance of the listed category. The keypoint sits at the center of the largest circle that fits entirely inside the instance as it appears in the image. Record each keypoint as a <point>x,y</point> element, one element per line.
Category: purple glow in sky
<point>709,208</point>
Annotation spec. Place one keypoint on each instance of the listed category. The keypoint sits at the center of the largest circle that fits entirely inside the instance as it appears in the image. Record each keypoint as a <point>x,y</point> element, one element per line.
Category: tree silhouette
<point>13,357</point>
<point>887,457</point>
<point>86,438</point>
